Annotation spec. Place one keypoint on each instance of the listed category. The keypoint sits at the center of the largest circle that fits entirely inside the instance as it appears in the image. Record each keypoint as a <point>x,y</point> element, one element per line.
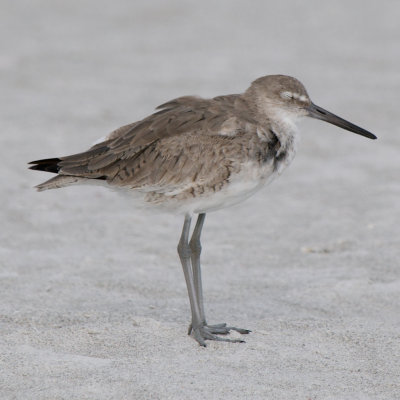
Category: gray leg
<point>189,254</point>
<point>185,255</point>
<point>195,246</point>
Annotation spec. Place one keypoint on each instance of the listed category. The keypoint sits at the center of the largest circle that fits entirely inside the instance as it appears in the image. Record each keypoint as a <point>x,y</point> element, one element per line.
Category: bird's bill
<point>317,112</point>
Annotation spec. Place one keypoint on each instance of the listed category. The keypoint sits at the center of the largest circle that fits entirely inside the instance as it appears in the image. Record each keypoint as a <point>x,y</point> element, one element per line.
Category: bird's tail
<point>48,165</point>
<point>60,181</point>
<point>51,165</point>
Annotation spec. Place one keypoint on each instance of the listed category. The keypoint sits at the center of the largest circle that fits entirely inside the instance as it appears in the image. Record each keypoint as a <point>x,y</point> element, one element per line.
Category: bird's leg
<point>199,329</point>
<point>185,252</point>
<point>195,247</point>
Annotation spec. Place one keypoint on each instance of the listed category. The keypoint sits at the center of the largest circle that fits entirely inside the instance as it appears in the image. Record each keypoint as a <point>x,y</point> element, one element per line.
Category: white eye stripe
<point>291,95</point>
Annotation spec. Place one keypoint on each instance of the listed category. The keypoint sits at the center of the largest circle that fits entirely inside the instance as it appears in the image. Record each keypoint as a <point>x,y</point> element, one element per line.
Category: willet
<point>198,155</point>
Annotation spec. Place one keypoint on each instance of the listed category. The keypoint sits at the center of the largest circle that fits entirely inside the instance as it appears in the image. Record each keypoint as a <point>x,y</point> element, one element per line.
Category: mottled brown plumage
<point>190,148</point>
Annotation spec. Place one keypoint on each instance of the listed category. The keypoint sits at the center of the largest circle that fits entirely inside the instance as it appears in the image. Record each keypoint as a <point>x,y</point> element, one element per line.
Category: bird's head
<point>285,97</point>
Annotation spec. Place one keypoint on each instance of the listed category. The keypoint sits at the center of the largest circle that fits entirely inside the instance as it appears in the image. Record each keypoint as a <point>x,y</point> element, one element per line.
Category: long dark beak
<point>319,113</point>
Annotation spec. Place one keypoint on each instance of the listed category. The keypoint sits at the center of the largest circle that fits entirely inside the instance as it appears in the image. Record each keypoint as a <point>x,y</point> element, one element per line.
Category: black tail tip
<point>48,165</point>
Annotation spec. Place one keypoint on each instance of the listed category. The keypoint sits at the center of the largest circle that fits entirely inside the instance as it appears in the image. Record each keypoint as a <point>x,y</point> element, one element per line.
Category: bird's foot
<point>208,332</point>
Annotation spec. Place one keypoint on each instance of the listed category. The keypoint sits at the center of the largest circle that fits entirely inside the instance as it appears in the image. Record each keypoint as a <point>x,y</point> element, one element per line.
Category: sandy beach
<point>93,303</point>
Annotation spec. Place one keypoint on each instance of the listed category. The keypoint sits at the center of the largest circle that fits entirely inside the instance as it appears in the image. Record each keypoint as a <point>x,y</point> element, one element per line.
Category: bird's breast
<point>273,147</point>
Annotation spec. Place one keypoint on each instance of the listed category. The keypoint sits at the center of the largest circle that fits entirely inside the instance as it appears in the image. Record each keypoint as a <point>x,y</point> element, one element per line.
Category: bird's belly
<point>197,199</point>
<point>251,178</point>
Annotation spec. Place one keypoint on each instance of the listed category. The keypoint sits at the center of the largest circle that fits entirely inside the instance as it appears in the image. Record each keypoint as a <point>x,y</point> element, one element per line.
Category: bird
<point>193,156</point>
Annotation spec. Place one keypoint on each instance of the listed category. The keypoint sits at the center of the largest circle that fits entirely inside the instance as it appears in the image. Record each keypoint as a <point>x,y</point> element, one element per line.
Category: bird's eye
<point>287,95</point>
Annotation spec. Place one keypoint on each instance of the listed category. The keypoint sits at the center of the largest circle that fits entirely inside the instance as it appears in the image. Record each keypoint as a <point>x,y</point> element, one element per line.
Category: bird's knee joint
<point>184,250</point>
<point>195,246</point>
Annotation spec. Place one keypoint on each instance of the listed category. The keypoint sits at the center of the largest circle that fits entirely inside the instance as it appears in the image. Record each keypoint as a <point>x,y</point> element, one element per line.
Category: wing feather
<point>123,156</point>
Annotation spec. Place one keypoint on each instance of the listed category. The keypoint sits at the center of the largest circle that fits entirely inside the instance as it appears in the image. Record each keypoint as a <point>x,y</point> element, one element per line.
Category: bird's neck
<point>270,116</point>
<point>285,128</point>
<point>284,125</point>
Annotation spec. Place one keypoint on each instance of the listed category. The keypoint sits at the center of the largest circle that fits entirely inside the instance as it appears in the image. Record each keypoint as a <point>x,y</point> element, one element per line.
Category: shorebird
<point>197,155</point>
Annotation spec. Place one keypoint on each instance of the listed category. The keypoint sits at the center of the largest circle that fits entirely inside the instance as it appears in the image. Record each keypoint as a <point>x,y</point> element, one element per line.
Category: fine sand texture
<point>93,303</point>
